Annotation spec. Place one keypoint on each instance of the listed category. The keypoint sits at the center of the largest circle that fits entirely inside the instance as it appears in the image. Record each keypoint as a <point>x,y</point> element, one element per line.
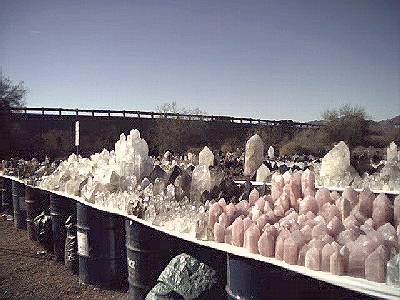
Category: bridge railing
<point>153,115</point>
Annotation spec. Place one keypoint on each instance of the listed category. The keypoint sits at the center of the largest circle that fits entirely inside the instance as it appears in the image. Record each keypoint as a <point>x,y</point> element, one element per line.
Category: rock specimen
<point>271,152</point>
<point>263,173</point>
<point>206,157</point>
<point>254,155</point>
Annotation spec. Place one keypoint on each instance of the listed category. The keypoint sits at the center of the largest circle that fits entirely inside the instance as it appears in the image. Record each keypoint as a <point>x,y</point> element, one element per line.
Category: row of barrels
<point>116,252</point>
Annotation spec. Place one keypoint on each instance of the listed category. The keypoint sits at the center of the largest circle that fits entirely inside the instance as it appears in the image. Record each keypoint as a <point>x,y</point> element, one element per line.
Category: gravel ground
<point>26,273</point>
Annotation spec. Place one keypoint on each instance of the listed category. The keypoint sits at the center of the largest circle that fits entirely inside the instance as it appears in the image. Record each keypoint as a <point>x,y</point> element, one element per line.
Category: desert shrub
<point>347,123</point>
<point>291,148</point>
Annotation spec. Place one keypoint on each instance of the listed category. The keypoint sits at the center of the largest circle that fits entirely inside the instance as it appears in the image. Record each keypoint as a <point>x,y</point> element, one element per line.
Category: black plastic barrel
<point>250,280</point>
<point>60,209</point>
<point>148,253</point>
<point>6,199</point>
<point>101,248</point>
<point>18,196</point>
<point>34,206</point>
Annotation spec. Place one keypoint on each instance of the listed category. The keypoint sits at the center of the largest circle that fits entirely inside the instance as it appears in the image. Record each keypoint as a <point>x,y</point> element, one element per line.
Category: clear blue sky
<point>264,59</point>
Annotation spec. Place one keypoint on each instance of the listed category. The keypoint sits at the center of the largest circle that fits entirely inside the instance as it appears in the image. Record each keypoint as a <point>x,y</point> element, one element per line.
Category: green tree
<point>11,94</point>
<point>347,123</point>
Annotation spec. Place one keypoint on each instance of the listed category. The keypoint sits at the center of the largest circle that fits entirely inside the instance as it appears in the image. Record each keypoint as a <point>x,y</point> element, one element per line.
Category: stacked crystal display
<point>357,234</point>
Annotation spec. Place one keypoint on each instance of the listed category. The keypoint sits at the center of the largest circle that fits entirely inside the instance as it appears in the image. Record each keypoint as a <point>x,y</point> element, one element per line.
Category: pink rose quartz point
<point>223,220</point>
<point>228,235</point>
<point>396,210</point>
<point>337,263</point>
<point>382,210</point>
<point>251,237</point>
<point>277,185</point>
<point>323,196</point>
<point>375,265</point>
<point>238,232</point>
<point>279,245</point>
<point>366,199</point>
<point>307,181</point>
<point>266,244</point>
<point>350,194</point>
<point>214,212</point>
<point>253,197</point>
<point>308,204</point>
<point>313,259</point>
<point>219,233</point>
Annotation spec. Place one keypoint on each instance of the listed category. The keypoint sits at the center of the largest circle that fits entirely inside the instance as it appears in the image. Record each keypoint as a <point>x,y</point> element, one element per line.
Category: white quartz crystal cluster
<point>107,177</point>
<point>336,171</point>
<point>254,155</point>
<point>356,234</point>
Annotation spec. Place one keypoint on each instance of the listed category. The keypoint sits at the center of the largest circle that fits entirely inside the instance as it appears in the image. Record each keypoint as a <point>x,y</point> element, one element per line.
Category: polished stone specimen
<point>350,194</point>
<point>201,181</point>
<point>375,265</point>
<point>336,163</point>
<point>263,173</point>
<point>307,181</point>
<point>254,155</point>
<point>279,245</point>
<point>334,226</point>
<point>277,185</point>
<point>206,157</point>
<point>323,196</point>
<point>312,259</point>
<point>219,233</point>
<point>253,197</point>
<point>366,199</point>
<point>396,210</point>
<point>326,254</point>
<point>337,263</point>
<point>215,211</point>
<point>266,244</point>
<point>393,270</point>
<point>308,204</point>
<point>382,211</point>
<point>251,237</point>
<point>271,152</point>
<point>238,232</point>
<point>392,153</point>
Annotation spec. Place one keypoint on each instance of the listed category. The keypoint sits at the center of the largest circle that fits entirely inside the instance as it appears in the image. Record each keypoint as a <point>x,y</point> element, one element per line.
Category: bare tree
<point>177,133</point>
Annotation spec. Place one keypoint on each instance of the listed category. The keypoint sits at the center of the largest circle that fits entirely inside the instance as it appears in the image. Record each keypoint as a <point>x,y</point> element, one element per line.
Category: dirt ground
<point>26,273</point>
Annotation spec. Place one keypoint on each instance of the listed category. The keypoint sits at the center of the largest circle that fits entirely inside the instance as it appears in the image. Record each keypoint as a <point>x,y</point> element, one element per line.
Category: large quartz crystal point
<point>254,155</point>
<point>263,173</point>
<point>391,154</point>
<point>366,199</point>
<point>382,211</point>
<point>375,265</point>
<point>335,166</point>
<point>201,181</point>
<point>266,244</point>
<point>337,263</point>
<point>238,232</point>
<point>397,210</point>
<point>271,152</point>
<point>393,270</point>
<point>313,259</point>
<point>251,237</point>
<point>206,157</point>
<point>307,181</point>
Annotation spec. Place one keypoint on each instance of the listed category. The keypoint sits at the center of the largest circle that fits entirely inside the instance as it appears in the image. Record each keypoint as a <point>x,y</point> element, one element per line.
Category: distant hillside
<point>390,122</point>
